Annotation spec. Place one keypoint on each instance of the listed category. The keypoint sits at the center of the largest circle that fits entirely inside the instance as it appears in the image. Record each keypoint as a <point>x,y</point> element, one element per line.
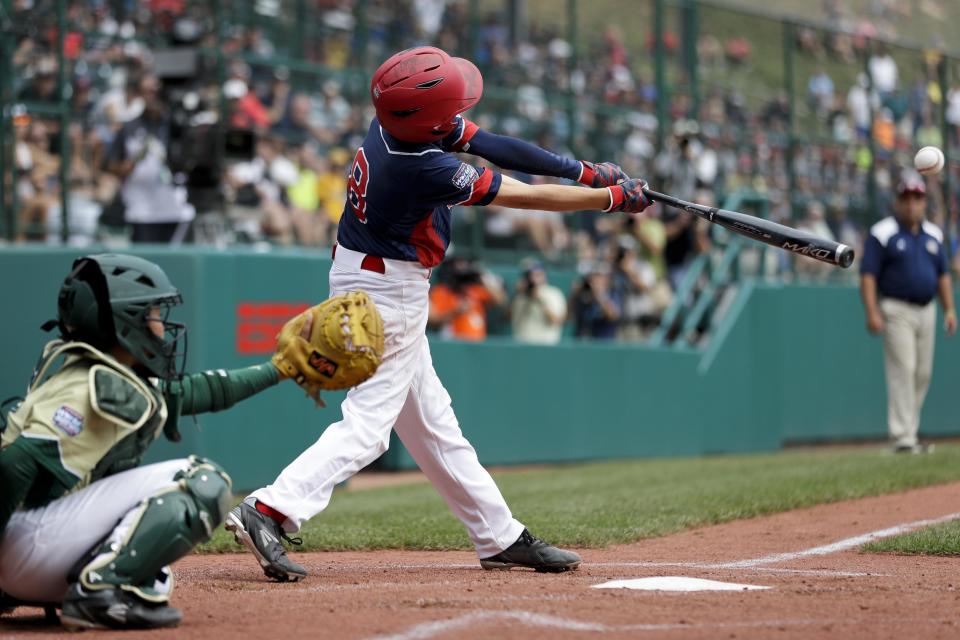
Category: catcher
<point>82,525</point>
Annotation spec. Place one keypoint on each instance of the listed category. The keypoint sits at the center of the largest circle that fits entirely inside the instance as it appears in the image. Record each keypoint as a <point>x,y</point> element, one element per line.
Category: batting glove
<point>628,197</point>
<point>604,174</point>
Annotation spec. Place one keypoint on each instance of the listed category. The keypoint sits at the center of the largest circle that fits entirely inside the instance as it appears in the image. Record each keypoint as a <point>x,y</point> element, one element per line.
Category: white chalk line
<point>426,630</point>
<point>325,588</point>
<point>826,573</point>
<point>834,547</point>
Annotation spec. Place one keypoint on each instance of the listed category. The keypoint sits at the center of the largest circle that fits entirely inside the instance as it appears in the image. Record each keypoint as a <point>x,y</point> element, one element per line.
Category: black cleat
<point>261,535</point>
<point>113,609</point>
<point>916,449</point>
<point>532,552</point>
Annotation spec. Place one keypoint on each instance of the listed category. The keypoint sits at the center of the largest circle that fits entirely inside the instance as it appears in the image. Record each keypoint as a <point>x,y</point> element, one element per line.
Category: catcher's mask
<point>113,299</point>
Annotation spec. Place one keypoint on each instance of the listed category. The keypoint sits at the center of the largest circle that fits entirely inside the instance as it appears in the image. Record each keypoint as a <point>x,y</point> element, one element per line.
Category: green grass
<point>619,502</point>
<point>939,540</point>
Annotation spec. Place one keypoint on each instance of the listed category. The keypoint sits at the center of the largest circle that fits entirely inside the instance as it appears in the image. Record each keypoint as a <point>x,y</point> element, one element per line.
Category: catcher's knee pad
<point>158,531</point>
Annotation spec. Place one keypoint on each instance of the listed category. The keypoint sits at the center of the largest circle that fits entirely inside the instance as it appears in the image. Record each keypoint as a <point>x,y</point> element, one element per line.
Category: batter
<point>395,228</point>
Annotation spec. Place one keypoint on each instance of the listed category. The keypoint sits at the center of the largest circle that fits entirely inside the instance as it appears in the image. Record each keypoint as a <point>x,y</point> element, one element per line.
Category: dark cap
<point>911,184</point>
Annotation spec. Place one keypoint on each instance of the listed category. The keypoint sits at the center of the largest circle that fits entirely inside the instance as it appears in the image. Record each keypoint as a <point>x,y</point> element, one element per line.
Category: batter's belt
<point>350,260</point>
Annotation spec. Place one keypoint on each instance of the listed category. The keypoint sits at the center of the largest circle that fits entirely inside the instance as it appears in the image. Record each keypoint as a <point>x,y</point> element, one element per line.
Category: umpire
<point>904,266</point>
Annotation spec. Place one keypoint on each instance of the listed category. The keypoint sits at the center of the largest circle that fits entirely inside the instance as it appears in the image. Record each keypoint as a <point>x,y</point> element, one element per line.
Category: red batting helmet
<point>418,92</point>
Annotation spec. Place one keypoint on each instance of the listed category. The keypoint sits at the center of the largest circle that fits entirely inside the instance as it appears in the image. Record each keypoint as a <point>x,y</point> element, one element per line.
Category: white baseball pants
<point>908,339</point>
<point>40,546</point>
<point>404,394</point>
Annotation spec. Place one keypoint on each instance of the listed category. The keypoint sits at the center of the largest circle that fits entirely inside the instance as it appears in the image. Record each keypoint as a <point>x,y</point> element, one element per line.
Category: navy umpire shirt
<point>906,266</point>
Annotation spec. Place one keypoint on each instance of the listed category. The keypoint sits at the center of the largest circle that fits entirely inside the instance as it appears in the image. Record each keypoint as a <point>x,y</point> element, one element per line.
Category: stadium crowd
<point>144,165</point>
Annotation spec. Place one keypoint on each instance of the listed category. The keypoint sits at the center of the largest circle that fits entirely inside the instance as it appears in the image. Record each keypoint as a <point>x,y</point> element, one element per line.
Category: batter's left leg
<point>431,433</point>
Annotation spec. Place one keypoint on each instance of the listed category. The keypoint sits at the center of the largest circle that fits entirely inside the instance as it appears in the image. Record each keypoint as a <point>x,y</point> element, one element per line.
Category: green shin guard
<point>160,530</point>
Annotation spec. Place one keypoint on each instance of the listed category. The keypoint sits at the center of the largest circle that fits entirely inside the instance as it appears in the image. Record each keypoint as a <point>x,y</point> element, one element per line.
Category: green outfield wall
<point>790,363</point>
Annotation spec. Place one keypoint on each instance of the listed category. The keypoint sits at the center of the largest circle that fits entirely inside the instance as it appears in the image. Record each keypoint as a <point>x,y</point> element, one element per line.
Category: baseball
<point>929,160</point>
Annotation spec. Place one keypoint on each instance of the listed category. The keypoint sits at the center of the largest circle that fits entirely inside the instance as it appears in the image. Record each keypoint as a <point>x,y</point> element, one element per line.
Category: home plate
<point>676,583</point>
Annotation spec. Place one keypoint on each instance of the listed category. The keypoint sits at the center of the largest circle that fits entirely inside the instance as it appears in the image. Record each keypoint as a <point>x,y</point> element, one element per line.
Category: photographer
<point>595,308</point>
<point>538,309</point>
<point>459,302</point>
<point>634,282</point>
<point>155,207</point>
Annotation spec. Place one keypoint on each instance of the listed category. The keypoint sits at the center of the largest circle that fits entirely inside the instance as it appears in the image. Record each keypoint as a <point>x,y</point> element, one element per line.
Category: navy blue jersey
<point>399,195</point>
<point>907,266</point>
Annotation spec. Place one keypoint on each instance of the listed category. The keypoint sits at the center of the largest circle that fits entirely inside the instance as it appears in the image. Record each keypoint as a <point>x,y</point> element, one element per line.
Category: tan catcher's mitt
<point>336,344</point>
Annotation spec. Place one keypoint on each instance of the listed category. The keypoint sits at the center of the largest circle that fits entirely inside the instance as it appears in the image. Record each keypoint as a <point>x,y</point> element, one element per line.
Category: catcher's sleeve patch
<point>118,399</point>
<point>324,365</point>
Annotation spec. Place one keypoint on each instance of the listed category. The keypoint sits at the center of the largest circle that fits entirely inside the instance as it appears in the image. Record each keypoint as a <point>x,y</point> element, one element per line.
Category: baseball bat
<point>772,233</point>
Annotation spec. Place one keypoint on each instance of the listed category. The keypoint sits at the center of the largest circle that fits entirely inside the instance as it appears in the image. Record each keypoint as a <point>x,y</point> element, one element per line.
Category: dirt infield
<point>820,587</point>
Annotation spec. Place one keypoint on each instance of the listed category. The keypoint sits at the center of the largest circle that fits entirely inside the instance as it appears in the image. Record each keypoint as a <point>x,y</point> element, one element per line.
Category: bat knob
<point>845,256</point>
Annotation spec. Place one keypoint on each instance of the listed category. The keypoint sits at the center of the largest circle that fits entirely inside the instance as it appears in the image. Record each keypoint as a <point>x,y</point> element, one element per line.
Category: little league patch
<point>465,175</point>
<point>68,420</point>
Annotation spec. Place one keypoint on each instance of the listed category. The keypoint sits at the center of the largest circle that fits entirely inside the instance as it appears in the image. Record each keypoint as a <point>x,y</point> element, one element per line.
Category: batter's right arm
<point>627,196</point>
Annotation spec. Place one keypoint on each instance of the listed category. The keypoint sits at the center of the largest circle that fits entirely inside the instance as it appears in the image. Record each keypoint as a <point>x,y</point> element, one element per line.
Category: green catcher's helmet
<point>106,300</point>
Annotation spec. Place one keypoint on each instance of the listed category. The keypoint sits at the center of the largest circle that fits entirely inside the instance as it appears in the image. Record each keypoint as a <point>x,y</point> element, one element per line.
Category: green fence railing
<point>711,277</point>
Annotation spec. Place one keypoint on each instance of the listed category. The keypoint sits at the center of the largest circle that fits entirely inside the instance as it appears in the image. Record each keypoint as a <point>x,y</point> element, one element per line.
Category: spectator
<point>861,101</point>
<point>245,109</point>
<point>883,71</point>
<point>332,186</point>
<point>820,92</point>
<point>632,281</point>
<point>44,85</point>
<point>277,96</point>
<point>37,186</point>
<point>116,107</point>
<point>155,207</point>
<point>841,226</point>
<point>676,166</point>
<point>596,312</point>
<point>839,121</point>
<point>686,238</point>
<point>539,309</point>
<point>329,112</point>
<point>295,127</point>
<point>651,236</point>
<point>928,133</point>
<point>459,302</point>
<point>776,113</point>
<point>257,192</point>
<point>815,223</point>
<point>808,41</point>
<point>303,194</point>
<point>885,130</point>
<point>738,50</point>
<point>710,51</point>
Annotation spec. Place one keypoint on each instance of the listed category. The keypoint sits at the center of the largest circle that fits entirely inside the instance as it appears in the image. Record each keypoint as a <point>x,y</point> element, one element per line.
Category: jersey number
<point>357,186</point>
